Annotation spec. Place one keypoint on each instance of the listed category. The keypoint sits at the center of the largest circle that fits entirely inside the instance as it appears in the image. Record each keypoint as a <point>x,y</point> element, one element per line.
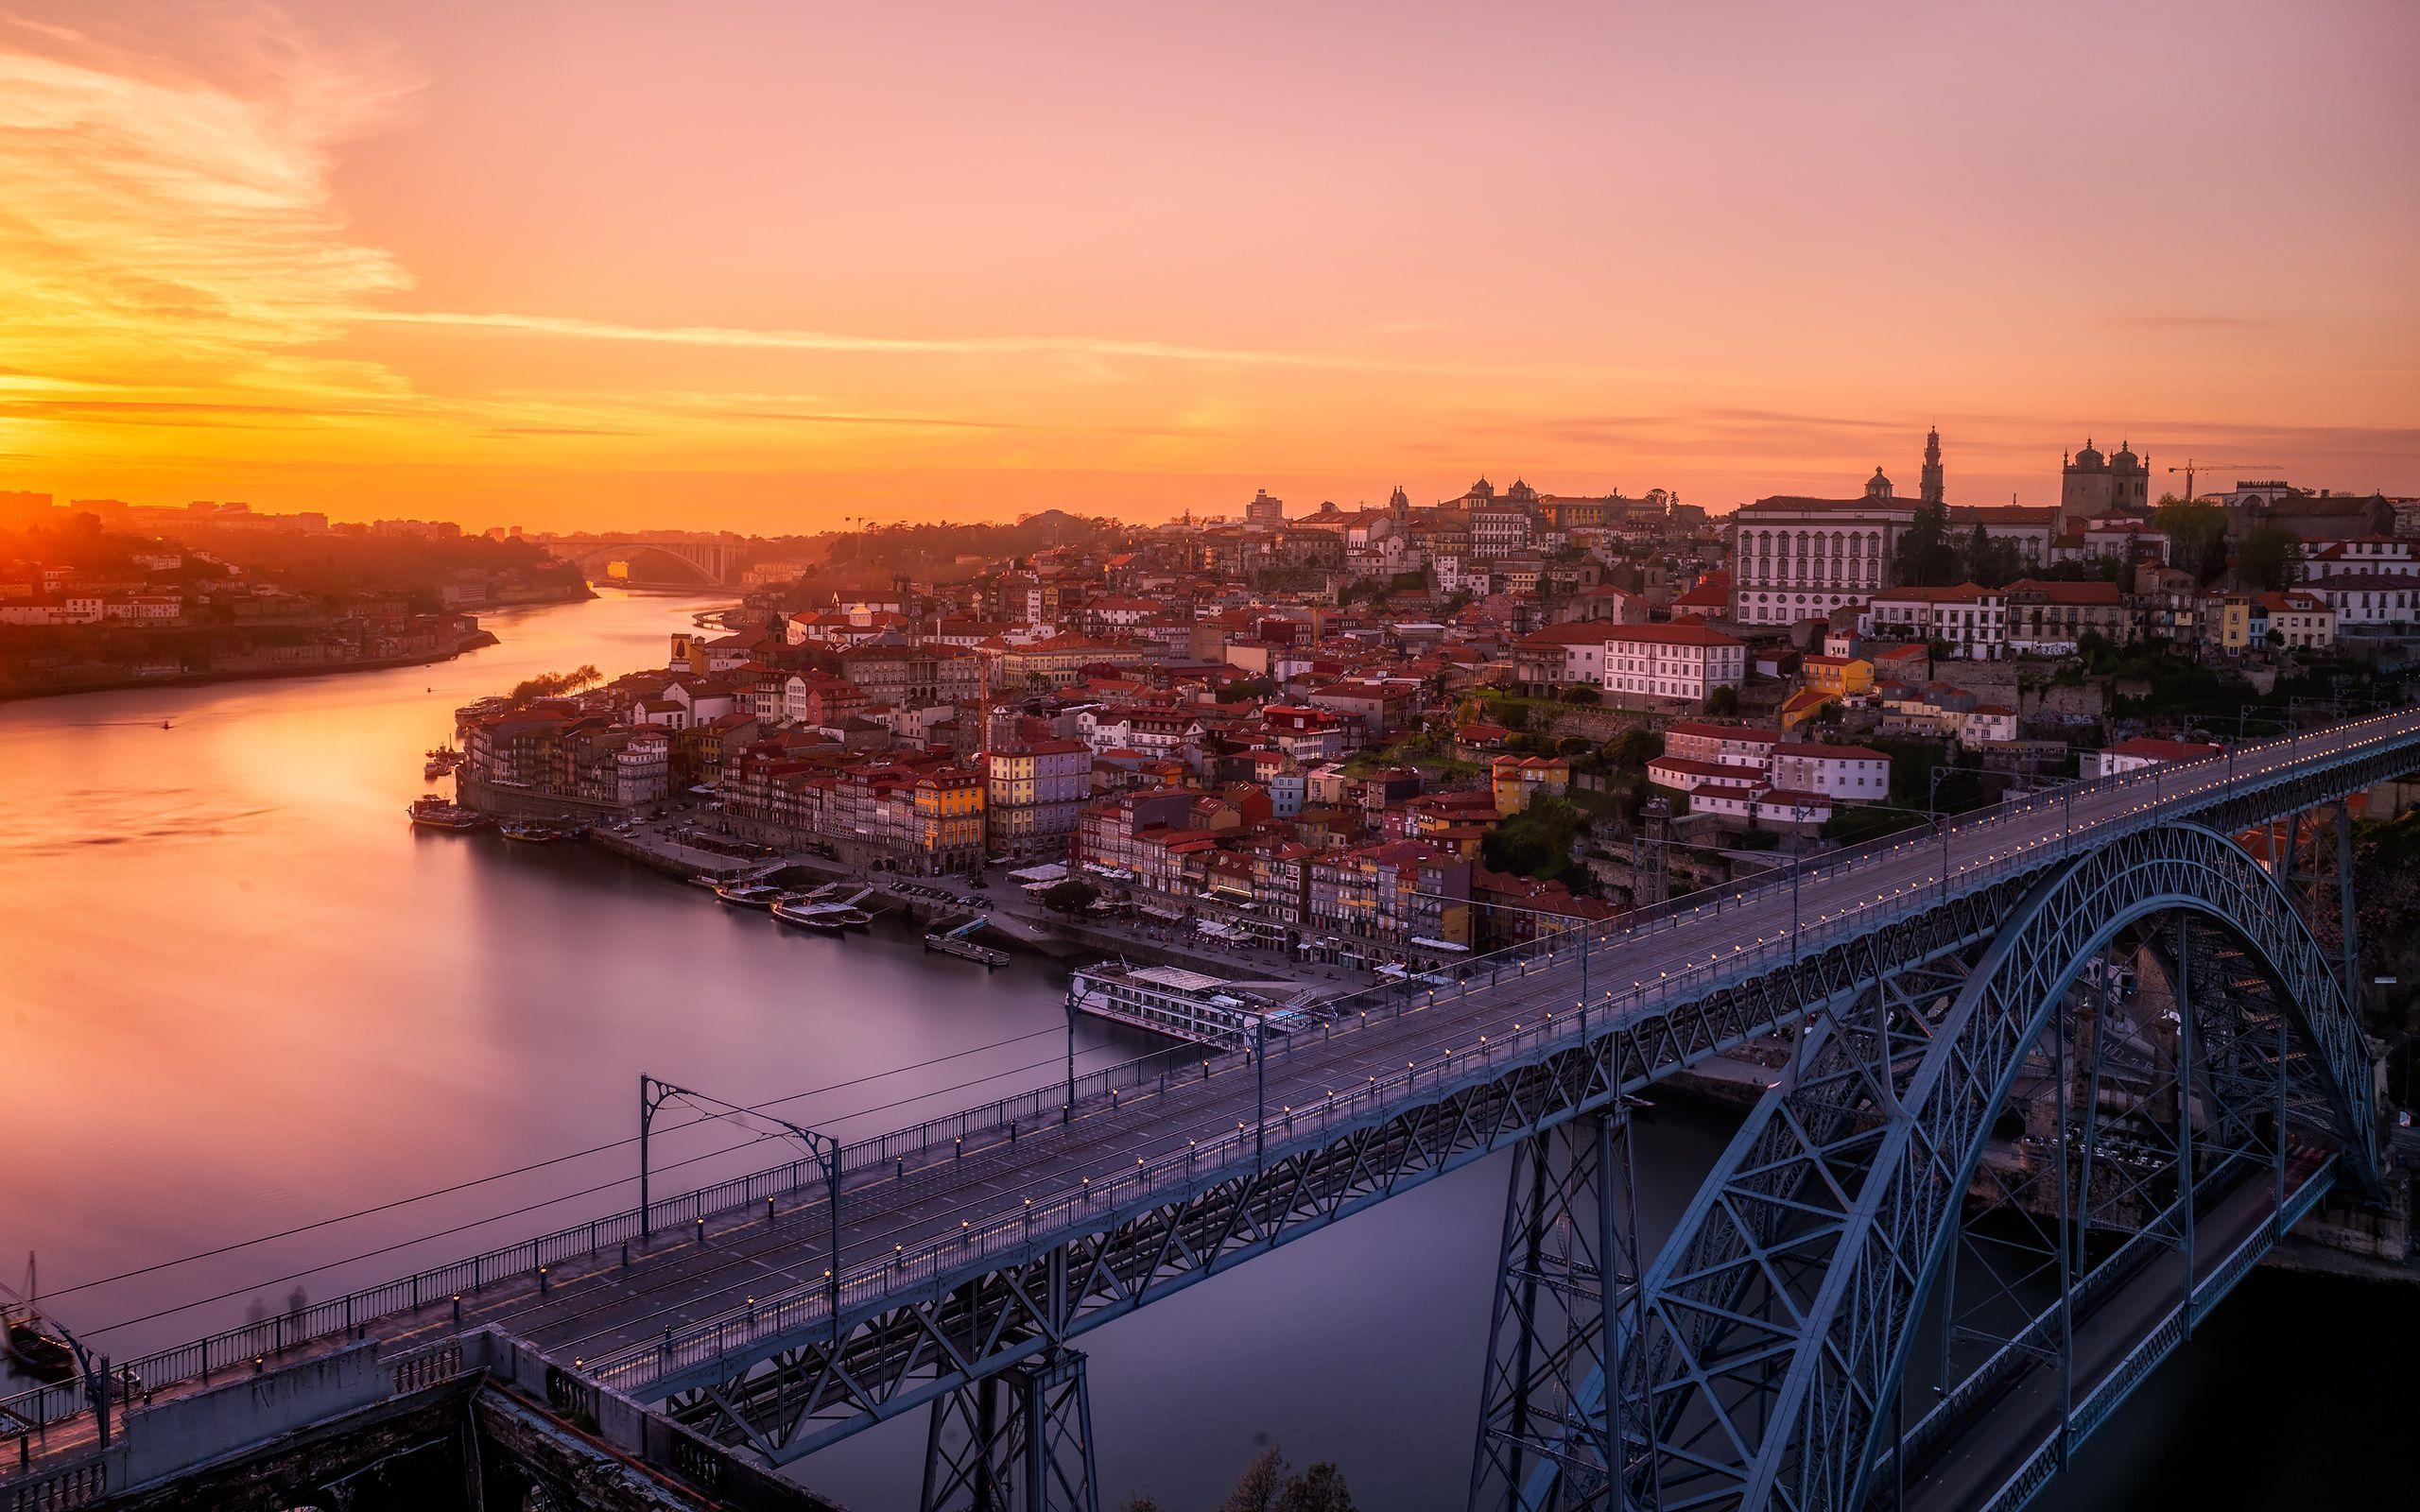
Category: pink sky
<point>771,265</point>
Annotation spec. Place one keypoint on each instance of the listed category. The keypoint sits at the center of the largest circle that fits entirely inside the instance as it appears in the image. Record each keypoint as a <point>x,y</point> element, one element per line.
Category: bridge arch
<point>708,566</point>
<point>1777,1325</point>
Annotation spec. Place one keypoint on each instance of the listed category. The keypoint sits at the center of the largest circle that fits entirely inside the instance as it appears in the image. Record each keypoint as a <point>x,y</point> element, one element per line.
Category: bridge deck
<point>593,1306</point>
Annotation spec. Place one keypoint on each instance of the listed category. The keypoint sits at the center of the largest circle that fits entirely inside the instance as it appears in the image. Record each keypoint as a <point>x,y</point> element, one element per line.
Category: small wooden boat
<point>436,813</point>
<point>33,1348</point>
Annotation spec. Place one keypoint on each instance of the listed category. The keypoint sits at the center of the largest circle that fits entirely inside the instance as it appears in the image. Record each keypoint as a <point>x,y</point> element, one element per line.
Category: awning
<point>1160,911</point>
<point>1044,875</point>
<point>1427,944</point>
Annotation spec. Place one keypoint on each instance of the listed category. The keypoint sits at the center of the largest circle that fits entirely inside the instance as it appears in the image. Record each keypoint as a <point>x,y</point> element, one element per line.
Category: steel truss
<point>1779,1321</point>
<point>822,1385</point>
<point>1566,1291</point>
<point>1019,1440</point>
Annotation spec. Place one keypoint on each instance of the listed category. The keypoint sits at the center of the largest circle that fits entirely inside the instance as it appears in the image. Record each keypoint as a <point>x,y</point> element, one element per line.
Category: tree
<point>1723,700</point>
<point>1926,554</point>
<point>1266,1486</point>
<point>1320,1489</point>
<point>1989,559</point>
<point>2269,557</point>
<point>1634,748</point>
<point>1070,897</point>
<point>1259,1487</point>
<point>2197,535</point>
<point>552,684</point>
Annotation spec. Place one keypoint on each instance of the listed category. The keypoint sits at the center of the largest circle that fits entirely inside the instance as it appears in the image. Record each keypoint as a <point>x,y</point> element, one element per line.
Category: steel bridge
<point>714,561</point>
<point>1988,1165</point>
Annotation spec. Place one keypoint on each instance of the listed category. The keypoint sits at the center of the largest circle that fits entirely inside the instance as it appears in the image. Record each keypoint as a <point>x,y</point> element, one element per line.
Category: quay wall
<point>1058,939</point>
<point>518,803</point>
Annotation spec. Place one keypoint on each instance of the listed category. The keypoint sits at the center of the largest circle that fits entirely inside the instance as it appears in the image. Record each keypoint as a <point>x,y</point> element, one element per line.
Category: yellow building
<point>1519,779</point>
<point>1843,676</point>
<point>1804,705</point>
<point>949,821</point>
<point>2226,621</point>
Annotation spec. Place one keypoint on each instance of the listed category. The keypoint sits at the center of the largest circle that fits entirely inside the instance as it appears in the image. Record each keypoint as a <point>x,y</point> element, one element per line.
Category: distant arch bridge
<point>711,563</point>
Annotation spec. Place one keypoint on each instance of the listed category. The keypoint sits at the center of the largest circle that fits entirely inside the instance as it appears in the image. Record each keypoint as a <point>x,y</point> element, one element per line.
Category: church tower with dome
<point>2091,484</point>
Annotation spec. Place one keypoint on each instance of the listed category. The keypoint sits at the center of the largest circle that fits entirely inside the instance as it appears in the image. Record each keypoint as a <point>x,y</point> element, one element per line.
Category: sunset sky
<point>771,264</point>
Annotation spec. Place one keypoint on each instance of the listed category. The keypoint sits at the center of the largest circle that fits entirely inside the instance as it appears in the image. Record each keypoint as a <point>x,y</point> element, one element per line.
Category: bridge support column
<point>1566,1291</point>
<point>1018,1440</point>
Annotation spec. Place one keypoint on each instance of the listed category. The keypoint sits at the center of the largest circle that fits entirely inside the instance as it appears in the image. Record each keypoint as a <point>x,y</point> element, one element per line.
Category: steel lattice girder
<point>1566,1284</point>
<point>789,1402</point>
<point>1778,1317</point>
<point>1017,1441</point>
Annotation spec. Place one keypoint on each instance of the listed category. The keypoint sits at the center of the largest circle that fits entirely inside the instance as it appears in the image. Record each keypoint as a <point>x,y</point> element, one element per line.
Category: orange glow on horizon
<point>624,265</point>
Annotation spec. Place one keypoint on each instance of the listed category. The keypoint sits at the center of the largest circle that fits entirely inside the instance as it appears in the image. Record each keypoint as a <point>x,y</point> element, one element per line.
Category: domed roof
<point>2088,458</point>
<point>2123,456</point>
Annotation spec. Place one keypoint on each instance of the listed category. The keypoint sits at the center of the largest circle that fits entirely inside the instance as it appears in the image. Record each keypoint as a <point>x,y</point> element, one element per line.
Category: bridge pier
<point>1018,1440</point>
<point>1566,1289</point>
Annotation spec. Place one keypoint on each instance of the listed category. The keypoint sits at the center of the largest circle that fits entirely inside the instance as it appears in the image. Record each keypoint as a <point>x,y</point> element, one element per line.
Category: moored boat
<point>824,919</point>
<point>435,813</point>
<point>528,834</point>
<point>35,1350</point>
<point>750,895</point>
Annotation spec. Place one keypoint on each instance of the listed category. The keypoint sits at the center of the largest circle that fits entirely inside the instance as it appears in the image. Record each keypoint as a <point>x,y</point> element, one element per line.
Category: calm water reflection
<point>240,994</point>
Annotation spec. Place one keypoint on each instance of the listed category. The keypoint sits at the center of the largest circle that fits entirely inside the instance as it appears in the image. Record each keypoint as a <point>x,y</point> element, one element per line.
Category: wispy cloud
<point>835,342</point>
<point>165,229</point>
<point>2191,322</point>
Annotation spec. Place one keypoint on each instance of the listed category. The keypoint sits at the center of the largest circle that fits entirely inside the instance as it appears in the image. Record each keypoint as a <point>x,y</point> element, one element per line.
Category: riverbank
<point>1009,925</point>
<point>478,641</point>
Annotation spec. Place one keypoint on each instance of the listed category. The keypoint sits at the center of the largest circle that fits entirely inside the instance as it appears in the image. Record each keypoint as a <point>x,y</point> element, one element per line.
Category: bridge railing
<point>1087,1205</point>
<point>1373,1098</point>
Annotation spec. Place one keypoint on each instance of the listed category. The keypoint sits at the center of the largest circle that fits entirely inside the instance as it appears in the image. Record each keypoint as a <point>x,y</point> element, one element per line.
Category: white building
<point>1500,530</point>
<point>2380,555</point>
<point>1795,557</point>
<point>1729,744</point>
<point>1855,774</point>
<point>1972,619</point>
<point>2296,618</point>
<point>1798,813</point>
<point>2134,755</point>
<point>1985,722</point>
<point>1683,661</point>
<point>643,770</point>
<point>2365,598</point>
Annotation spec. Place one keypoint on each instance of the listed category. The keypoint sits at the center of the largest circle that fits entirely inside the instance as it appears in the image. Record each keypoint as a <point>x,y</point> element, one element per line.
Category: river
<point>242,995</point>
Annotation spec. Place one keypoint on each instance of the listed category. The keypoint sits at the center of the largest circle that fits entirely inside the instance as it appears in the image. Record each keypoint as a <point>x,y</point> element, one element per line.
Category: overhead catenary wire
<point>372,1211</point>
<point>584,1192</point>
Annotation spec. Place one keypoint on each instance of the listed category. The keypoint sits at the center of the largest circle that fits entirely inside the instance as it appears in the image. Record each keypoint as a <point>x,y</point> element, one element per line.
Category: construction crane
<point>2190,467</point>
